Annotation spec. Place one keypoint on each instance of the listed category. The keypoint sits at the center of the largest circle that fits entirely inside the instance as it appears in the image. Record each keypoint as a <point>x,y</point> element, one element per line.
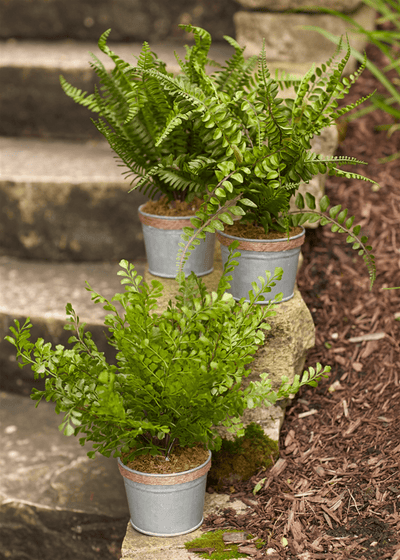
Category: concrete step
<point>32,101</point>
<point>66,201</point>
<point>55,502</point>
<point>67,506</point>
<point>41,290</point>
<point>130,21</point>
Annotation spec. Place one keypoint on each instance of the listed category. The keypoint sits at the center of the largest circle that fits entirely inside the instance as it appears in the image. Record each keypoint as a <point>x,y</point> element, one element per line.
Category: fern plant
<point>224,133</point>
<point>260,145</point>
<point>388,42</point>
<point>153,121</point>
<point>133,111</point>
<point>178,376</point>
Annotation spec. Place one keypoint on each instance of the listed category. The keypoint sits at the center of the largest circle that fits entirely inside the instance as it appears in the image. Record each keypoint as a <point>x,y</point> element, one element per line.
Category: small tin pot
<point>162,235</point>
<point>166,505</point>
<point>256,257</point>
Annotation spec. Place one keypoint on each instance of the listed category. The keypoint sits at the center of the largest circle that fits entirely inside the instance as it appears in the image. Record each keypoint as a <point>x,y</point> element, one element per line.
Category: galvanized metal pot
<point>162,235</point>
<point>166,505</point>
<point>259,255</point>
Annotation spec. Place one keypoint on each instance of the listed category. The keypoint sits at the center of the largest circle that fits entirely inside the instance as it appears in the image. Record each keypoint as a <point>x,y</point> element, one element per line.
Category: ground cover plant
<point>335,492</point>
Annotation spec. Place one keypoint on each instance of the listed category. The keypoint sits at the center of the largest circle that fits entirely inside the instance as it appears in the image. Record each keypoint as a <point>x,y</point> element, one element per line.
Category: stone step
<point>62,502</point>
<point>140,20</point>
<point>55,502</point>
<point>33,102</point>
<point>66,201</point>
<point>40,290</point>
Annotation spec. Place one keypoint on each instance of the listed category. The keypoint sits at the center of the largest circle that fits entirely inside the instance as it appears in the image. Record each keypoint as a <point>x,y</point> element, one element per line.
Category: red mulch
<point>335,491</point>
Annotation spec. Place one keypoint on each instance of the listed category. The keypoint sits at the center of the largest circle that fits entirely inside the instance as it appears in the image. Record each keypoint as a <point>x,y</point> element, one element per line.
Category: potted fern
<point>133,111</point>
<point>258,146</point>
<point>227,138</point>
<point>178,376</point>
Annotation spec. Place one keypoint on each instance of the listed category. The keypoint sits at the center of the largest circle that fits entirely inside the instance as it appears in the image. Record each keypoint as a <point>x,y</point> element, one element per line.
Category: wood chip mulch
<point>334,493</point>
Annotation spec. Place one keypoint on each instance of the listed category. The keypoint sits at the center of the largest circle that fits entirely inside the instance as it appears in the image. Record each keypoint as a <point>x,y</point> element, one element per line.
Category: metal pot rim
<point>279,240</point>
<point>165,479</point>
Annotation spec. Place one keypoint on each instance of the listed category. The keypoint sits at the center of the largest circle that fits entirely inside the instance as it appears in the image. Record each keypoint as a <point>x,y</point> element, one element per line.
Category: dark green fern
<point>224,133</point>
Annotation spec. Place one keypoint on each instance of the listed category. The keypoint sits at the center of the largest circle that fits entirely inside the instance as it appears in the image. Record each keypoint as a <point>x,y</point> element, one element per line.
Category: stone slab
<point>141,547</point>
<point>40,290</point>
<point>289,45</point>
<point>345,6</point>
<point>130,20</point>
<point>66,201</point>
<point>33,102</point>
<point>55,502</point>
<point>42,467</point>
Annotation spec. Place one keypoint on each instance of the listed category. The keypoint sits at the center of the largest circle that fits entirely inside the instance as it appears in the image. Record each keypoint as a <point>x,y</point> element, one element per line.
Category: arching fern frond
<point>79,96</point>
<point>337,218</point>
<point>238,72</point>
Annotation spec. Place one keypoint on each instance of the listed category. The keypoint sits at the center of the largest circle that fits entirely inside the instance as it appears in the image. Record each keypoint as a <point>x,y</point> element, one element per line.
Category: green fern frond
<point>137,160</point>
<point>120,65</point>
<point>263,71</point>
<point>285,80</point>
<point>178,182</point>
<point>204,223</point>
<point>197,55</point>
<point>190,93</point>
<point>343,110</point>
<point>238,72</point>
<point>339,222</point>
<point>200,163</point>
<point>348,175</point>
<point>174,120</point>
<point>79,96</point>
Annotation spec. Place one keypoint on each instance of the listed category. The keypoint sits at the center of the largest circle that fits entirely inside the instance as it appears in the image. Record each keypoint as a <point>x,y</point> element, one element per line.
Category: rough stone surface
<point>291,336</point>
<point>33,102</point>
<point>141,547</point>
<point>345,6</point>
<point>134,20</point>
<point>55,502</point>
<point>66,201</point>
<point>289,45</point>
<point>40,290</point>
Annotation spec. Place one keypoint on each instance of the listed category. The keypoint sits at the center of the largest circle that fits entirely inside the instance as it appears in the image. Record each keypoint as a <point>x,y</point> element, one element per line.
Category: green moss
<point>260,543</point>
<point>242,458</point>
<point>214,539</point>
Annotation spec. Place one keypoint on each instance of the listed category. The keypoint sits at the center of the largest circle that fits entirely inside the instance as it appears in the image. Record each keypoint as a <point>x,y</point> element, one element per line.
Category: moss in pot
<point>178,374</point>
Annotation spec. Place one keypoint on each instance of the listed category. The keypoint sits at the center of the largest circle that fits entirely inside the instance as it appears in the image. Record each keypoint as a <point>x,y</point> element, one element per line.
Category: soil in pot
<point>181,459</point>
<point>162,207</point>
<point>252,231</point>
